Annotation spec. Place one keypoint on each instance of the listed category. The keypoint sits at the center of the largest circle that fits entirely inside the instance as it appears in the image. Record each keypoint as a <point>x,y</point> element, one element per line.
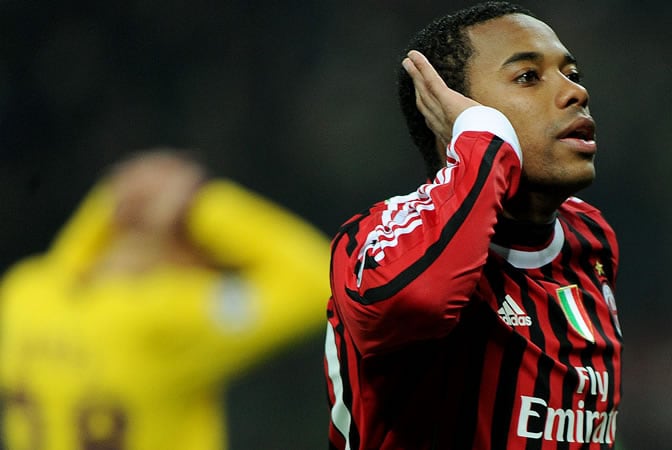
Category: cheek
<point>539,159</point>
<point>528,122</point>
<point>535,139</point>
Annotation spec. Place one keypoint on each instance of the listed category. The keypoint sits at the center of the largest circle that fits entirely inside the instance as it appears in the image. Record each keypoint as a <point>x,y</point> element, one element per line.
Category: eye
<point>528,77</point>
<point>575,76</point>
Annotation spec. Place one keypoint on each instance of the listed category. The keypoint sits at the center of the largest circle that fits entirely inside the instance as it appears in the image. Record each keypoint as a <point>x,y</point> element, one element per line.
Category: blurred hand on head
<point>153,192</point>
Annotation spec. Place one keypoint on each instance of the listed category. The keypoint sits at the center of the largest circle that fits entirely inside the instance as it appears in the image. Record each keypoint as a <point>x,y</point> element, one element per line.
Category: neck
<point>534,206</point>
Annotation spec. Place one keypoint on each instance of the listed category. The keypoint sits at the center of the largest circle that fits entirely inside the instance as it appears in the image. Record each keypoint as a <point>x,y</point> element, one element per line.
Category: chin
<point>577,183</point>
<point>586,177</point>
<point>563,185</point>
<point>577,177</point>
<point>580,185</point>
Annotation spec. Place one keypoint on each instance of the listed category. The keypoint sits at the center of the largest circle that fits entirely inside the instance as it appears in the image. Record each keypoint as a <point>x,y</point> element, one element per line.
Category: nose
<point>571,93</point>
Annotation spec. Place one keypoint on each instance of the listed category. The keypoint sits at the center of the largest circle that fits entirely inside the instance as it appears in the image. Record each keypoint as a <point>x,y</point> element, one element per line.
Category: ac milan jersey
<point>453,328</point>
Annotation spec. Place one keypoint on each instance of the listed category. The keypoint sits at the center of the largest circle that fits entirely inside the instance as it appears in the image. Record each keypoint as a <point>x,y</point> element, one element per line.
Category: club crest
<point>571,303</point>
<point>611,304</point>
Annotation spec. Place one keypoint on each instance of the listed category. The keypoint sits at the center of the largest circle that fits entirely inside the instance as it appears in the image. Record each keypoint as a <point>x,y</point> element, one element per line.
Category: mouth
<point>580,134</point>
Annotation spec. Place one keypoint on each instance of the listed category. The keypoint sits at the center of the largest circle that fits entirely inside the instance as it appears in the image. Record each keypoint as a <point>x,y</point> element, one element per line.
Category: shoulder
<point>578,205</point>
<point>581,214</point>
<point>357,227</point>
<point>27,283</point>
<point>574,206</point>
<point>26,271</point>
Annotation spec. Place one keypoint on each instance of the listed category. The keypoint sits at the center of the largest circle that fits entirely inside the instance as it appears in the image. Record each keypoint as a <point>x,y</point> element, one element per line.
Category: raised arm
<point>283,257</point>
<point>404,270</point>
<point>86,233</point>
<point>276,263</point>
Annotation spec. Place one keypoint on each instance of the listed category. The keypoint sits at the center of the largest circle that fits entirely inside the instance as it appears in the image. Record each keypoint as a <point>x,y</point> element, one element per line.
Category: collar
<point>527,245</point>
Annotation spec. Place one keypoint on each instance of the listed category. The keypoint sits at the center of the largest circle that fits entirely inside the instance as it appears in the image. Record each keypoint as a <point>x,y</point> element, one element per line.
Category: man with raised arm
<point>478,311</point>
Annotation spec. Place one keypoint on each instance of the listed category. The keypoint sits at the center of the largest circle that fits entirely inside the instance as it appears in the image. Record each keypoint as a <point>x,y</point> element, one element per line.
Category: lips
<point>580,136</point>
<point>582,128</point>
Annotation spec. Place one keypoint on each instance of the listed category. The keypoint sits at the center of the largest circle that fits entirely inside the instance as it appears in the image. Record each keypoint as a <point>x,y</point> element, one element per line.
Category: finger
<point>416,76</point>
<point>426,71</point>
<point>427,107</point>
<point>434,119</point>
<point>434,90</point>
<point>420,61</point>
<point>434,84</point>
<point>425,100</point>
<point>410,68</point>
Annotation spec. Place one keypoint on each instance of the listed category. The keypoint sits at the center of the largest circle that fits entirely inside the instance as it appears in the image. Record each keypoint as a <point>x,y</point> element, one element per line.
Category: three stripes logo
<point>571,303</point>
<point>512,314</point>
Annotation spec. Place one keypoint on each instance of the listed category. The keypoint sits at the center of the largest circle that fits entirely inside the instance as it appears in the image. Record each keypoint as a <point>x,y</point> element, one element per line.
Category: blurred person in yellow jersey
<point>163,287</point>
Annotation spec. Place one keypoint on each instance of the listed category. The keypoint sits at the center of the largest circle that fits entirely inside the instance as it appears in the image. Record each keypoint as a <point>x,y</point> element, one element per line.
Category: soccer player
<point>163,287</point>
<point>478,311</point>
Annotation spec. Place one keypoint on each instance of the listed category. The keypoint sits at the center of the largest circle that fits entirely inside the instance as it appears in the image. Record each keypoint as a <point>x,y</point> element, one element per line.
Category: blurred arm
<point>281,261</point>
<point>86,233</point>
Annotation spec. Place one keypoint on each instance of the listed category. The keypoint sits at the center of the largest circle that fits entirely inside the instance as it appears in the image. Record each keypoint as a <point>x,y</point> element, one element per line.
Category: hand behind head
<point>153,191</point>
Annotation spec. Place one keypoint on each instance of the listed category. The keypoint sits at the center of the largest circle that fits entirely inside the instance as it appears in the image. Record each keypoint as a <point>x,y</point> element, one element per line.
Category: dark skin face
<point>521,68</point>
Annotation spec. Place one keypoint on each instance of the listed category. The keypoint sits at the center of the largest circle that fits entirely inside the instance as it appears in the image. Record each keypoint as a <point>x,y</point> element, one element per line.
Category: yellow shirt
<point>140,361</point>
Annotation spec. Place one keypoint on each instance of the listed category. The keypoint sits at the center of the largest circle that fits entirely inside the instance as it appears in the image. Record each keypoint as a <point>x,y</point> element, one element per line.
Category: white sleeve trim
<point>484,118</point>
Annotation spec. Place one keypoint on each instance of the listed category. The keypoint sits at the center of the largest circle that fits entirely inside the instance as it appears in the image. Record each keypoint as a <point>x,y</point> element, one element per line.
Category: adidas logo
<point>512,314</point>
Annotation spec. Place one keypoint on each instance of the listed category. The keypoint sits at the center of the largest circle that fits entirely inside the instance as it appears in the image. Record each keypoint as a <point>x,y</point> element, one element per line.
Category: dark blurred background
<point>296,99</point>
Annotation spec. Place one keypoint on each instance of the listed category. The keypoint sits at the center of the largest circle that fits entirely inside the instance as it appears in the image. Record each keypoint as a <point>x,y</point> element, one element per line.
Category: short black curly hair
<point>446,45</point>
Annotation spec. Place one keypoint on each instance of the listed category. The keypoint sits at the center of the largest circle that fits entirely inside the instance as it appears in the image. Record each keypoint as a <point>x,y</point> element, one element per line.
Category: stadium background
<point>296,99</point>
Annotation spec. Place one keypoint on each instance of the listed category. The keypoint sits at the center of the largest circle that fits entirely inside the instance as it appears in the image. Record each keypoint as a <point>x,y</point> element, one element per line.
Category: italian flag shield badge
<point>572,305</point>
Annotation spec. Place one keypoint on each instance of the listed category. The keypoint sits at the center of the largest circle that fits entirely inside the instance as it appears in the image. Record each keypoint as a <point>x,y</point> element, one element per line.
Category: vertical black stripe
<point>610,272</point>
<point>591,307</point>
<point>571,379</point>
<point>475,330</point>
<point>512,358</point>
<point>545,364</point>
<point>590,352</point>
<point>556,317</point>
<point>585,263</point>
<point>506,390</point>
<point>558,323</point>
<point>560,327</point>
<point>402,280</point>
<point>522,279</point>
<point>606,252</point>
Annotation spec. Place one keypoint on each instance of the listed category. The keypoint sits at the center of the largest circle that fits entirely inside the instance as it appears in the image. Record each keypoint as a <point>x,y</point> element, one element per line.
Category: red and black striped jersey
<point>452,328</point>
